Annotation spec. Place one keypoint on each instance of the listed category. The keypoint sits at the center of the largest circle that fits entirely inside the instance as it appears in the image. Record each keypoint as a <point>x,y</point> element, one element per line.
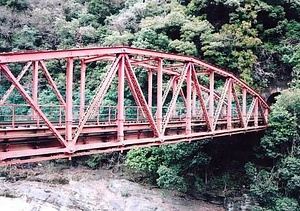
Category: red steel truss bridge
<point>173,98</point>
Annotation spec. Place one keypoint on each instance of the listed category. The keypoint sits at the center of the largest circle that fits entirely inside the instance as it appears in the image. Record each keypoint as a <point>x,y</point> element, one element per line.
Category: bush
<point>286,204</point>
<point>169,179</point>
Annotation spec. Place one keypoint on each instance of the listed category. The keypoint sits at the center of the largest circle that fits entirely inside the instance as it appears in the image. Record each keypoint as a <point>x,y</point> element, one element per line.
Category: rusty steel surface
<point>175,98</point>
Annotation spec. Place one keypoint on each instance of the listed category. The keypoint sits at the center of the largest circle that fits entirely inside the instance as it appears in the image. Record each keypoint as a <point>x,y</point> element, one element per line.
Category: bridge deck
<point>28,140</point>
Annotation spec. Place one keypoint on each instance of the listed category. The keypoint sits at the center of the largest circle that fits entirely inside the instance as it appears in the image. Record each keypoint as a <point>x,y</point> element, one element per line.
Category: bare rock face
<point>89,190</point>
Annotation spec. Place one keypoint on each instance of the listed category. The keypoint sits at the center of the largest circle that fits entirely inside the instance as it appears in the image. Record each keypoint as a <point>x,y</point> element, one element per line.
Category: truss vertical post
<point>188,128</point>
<point>238,106</point>
<point>175,97</point>
<point>121,80</point>
<point>202,102</point>
<point>194,101</point>
<point>174,85</point>
<point>150,82</point>
<point>211,97</point>
<point>266,114</point>
<point>159,96</point>
<point>69,103</point>
<point>244,104</point>
<point>256,113</point>
<point>82,88</point>
<point>229,105</point>
<point>140,99</point>
<point>35,78</point>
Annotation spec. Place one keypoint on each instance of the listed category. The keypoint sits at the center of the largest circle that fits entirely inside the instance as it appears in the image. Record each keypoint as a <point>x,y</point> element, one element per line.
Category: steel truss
<point>182,103</point>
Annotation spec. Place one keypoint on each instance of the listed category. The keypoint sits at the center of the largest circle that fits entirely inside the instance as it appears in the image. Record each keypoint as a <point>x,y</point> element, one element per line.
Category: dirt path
<point>49,187</point>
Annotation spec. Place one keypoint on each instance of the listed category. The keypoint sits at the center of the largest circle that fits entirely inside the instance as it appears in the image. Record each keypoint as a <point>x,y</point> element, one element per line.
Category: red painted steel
<point>197,108</point>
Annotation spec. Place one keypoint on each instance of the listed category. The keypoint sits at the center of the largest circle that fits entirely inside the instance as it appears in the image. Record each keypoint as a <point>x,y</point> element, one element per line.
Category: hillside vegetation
<point>259,40</point>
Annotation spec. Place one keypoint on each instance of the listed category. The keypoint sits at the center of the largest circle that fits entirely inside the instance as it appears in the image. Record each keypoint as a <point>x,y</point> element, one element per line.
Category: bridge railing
<point>22,115</point>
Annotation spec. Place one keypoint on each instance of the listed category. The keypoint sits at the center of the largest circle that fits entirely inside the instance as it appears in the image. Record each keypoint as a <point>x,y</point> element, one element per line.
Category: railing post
<point>194,101</point>
<point>13,116</point>
<point>98,112</point>
<point>109,114</point>
<point>60,116</point>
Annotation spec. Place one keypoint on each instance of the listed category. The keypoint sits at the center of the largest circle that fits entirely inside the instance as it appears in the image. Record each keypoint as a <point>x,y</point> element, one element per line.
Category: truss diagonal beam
<point>175,96</point>
<point>11,88</point>
<point>35,107</point>
<point>238,107</point>
<point>221,103</point>
<point>52,83</point>
<point>201,99</point>
<point>98,97</point>
<point>139,94</point>
<point>183,97</point>
<point>131,87</point>
<point>250,111</point>
<point>167,89</point>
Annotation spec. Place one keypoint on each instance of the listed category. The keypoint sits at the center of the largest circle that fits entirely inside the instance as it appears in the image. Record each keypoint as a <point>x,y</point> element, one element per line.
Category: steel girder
<point>196,108</point>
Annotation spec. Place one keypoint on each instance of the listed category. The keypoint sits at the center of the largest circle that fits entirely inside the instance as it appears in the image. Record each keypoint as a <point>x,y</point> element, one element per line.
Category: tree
<point>280,187</point>
<point>232,48</point>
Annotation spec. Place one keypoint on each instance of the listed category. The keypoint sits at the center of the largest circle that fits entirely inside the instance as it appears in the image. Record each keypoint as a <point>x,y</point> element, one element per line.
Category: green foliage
<point>146,160</point>
<point>279,188</point>
<point>282,137</point>
<point>102,9</point>
<point>26,39</point>
<point>169,179</point>
<point>232,47</point>
<point>17,4</point>
<point>286,204</point>
<point>264,187</point>
<point>182,47</point>
<point>168,165</point>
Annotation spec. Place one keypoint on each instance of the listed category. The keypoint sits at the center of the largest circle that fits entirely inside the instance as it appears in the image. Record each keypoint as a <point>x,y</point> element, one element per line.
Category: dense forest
<point>259,40</point>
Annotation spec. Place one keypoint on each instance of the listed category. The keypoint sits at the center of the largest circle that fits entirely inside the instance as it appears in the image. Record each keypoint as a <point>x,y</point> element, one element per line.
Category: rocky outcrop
<point>84,189</point>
